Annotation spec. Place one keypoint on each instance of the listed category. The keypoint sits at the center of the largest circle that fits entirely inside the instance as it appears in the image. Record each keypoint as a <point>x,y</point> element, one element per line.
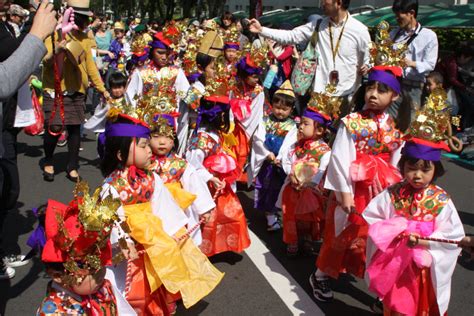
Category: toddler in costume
<point>76,251</point>
<point>274,135</point>
<point>365,153</point>
<point>410,274</point>
<point>305,163</point>
<point>162,264</point>
<point>226,229</point>
<point>180,177</point>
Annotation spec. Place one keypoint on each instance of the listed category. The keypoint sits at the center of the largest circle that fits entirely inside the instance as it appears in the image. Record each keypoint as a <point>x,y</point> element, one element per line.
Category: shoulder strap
<point>315,35</point>
<point>414,35</point>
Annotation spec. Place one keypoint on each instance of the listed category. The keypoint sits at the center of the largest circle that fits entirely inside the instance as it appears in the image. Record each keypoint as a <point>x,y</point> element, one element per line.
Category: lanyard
<point>410,38</point>
<point>338,43</point>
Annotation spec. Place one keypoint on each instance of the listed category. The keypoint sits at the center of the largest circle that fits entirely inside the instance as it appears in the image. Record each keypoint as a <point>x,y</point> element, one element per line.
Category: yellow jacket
<point>75,78</point>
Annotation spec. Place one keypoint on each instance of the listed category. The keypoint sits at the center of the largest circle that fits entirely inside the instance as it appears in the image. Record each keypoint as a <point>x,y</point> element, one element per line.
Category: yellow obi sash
<point>182,197</point>
<point>180,267</point>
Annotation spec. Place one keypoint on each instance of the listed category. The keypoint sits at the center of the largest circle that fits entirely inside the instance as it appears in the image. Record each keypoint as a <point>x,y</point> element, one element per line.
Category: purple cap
<point>156,43</point>
<point>242,65</point>
<point>127,130</point>
<point>386,78</point>
<point>421,151</point>
<point>316,116</point>
<point>169,119</point>
<point>231,46</point>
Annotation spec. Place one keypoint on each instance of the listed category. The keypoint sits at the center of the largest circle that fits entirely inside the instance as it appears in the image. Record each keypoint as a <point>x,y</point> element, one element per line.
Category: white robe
<point>193,183</point>
<point>338,178</point>
<point>260,153</point>
<point>251,123</point>
<point>447,226</point>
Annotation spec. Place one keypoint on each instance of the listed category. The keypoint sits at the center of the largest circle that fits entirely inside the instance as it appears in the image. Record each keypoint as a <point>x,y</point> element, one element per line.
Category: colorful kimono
<point>166,268</point>
<point>364,156</point>
<point>419,283</point>
<point>121,51</point>
<point>60,301</point>
<point>188,189</point>
<point>246,113</point>
<point>272,136</point>
<point>227,228</point>
<point>307,160</point>
<point>163,82</point>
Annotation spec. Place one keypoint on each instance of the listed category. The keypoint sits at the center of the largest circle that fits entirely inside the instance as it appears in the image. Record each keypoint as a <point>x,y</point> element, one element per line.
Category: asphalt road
<point>244,290</point>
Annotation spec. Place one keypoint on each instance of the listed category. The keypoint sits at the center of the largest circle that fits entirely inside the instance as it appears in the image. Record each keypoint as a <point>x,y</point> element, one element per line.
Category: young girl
<point>275,130</point>
<point>76,251</point>
<point>226,229</point>
<point>403,216</point>
<point>305,164</point>
<point>365,153</point>
<point>181,178</point>
<point>161,260</point>
<point>246,102</point>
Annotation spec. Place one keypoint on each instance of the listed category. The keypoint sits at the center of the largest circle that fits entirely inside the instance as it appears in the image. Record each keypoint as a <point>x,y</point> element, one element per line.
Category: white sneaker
<point>7,273</point>
<point>15,261</point>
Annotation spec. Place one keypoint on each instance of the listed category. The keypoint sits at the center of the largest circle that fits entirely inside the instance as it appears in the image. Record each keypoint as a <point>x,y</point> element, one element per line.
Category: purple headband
<point>136,59</point>
<point>386,78</point>
<point>231,46</point>
<point>242,65</point>
<point>315,116</point>
<point>158,44</point>
<point>419,151</point>
<point>127,130</point>
<point>193,77</point>
<point>170,119</point>
<point>211,113</point>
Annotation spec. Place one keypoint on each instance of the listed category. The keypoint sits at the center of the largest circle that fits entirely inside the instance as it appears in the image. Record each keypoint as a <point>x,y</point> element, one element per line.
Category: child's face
<point>160,57</point>
<point>431,85</point>
<point>308,130</point>
<point>230,54</point>
<point>161,145</point>
<point>281,111</point>
<point>139,153</point>
<point>419,175</point>
<point>251,80</point>
<point>210,70</point>
<point>378,99</point>
<point>117,92</point>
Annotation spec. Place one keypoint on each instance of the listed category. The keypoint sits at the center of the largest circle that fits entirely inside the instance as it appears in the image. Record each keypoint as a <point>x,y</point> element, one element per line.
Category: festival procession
<point>235,164</point>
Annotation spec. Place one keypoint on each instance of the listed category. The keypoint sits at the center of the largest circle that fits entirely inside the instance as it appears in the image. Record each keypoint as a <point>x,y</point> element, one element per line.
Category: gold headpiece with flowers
<point>433,122</point>
<point>78,234</point>
<point>258,55</point>
<point>384,52</point>
<point>326,102</point>
<point>175,31</point>
<point>231,34</point>
<point>138,45</point>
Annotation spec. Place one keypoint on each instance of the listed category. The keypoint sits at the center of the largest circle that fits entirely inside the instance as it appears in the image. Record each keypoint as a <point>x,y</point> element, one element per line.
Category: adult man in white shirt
<point>421,55</point>
<point>342,45</point>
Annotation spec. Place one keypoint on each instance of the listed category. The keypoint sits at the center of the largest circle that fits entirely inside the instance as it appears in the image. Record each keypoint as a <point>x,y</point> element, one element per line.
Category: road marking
<point>291,293</point>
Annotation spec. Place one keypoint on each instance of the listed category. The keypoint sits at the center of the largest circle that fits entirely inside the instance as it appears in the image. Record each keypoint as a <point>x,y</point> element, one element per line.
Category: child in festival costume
<point>246,102</point>
<point>365,153</point>
<point>181,178</point>
<point>231,50</point>
<point>408,271</point>
<point>226,230</point>
<point>273,136</point>
<point>76,251</point>
<point>168,262</point>
<point>363,163</point>
<point>305,164</point>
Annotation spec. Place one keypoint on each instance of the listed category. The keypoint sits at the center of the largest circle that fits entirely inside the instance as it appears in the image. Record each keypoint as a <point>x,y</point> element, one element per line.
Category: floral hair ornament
<point>77,234</point>
<point>324,107</point>
<point>431,131</point>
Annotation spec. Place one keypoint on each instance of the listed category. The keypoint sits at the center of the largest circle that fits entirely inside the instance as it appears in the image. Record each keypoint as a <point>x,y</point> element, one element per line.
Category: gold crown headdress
<point>433,122</point>
<point>384,52</point>
<point>286,88</point>
<point>326,103</point>
<point>139,45</point>
<point>231,34</point>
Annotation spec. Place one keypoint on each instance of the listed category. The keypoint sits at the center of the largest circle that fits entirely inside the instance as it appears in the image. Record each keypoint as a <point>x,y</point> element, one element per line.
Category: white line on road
<point>295,298</point>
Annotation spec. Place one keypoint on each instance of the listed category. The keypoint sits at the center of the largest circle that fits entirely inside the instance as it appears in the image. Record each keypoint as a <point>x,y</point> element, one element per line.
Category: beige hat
<point>211,44</point>
<point>15,9</point>
<point>80,7</point>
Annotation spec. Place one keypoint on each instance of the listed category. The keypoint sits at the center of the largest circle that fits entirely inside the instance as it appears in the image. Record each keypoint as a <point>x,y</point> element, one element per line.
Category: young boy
<point>434,81</point>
